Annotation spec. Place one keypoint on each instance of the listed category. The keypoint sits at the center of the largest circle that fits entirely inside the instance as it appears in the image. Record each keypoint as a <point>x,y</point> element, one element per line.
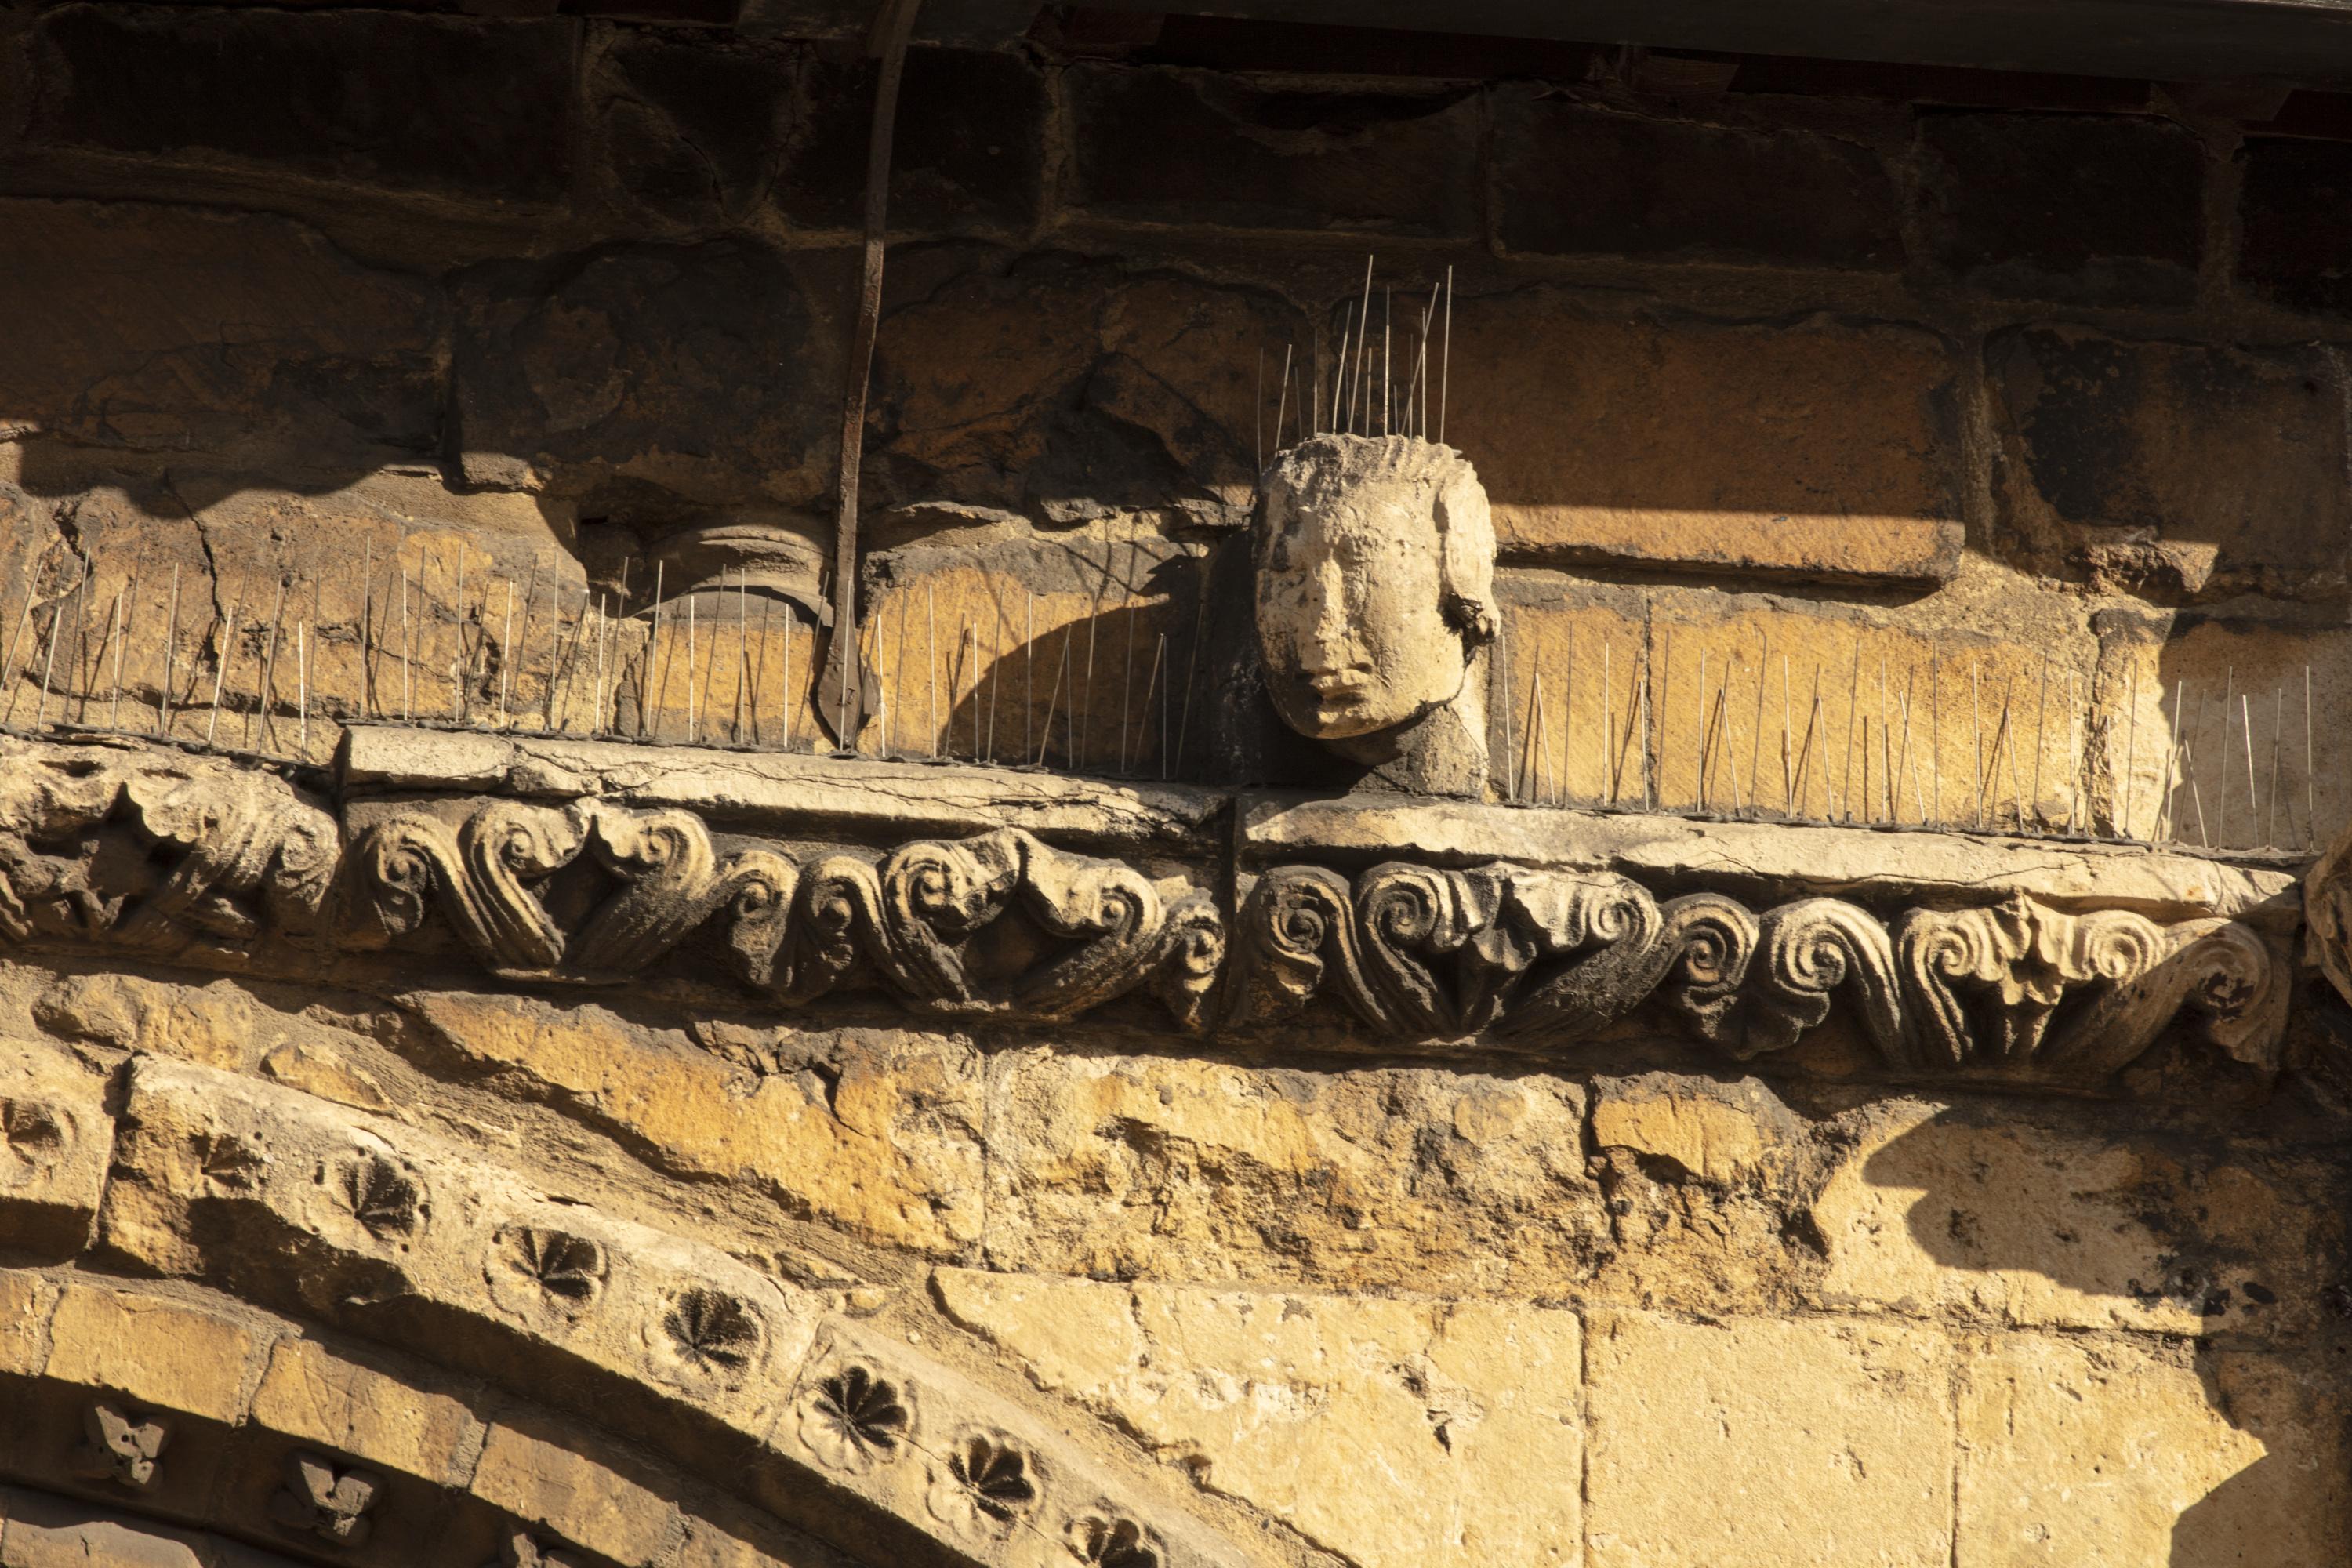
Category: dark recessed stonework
<point>2064,206</point>
<point>1575,180</point>
<point>1184,147</point>
<point>692,132</point>
<point>2295,222</point>
<point>371,97</point>
<point>966,157</point>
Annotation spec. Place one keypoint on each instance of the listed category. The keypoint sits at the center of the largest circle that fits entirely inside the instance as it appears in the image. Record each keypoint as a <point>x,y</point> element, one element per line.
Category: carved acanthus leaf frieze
<point>1547,958</point>
<point>923,921</point>
<point>198,859</point>
<point>159,853</point>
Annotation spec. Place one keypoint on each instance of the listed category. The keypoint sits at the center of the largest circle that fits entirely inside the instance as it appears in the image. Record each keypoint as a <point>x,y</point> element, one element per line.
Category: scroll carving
<point>932,921</point>
<point>2020,989</point>
<point>196,860</point>
<point>1418,951</point>
<point>163,855</point>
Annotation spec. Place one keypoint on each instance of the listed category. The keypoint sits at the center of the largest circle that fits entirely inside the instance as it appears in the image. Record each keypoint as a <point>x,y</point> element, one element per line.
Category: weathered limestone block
<point>553,1485</point>
<point>1724,446</point>
<point>1940,1211</point>
<point>25,1302</point>
<point>1679,697</point>
<point>1803,1444</point>
<point>1717,1134</point>
<point>1379,1179</point>
<point>55,1137</point>
<point>981,674</point>
<point>39,1530</point>
<point>121,342</point>
<point>890,1150</point>
<point>2172,468</point>
<point>318,1396</point>
<point>2110,1454</point>
<point>1390,1433</point>
<point>2209,680</point>
<point>276,1194</point>
<point>161,1353</point>
<point>775,788</point>
<point>213,1024</point>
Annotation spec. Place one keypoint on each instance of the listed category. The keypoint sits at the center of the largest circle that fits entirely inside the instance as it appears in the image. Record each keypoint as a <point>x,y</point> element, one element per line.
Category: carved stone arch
<point>350,1330</point>
<point>44,1527</point>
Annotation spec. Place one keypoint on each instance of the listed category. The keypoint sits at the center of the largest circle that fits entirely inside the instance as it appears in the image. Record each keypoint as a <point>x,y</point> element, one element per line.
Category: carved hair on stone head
<point>1315,470</point>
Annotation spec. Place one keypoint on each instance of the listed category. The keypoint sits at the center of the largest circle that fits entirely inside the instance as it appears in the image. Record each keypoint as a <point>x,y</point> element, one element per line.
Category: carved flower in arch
<point>985,1485</point>
<point>1108,1540</point>
<point>537,1271</point>
<point>853,1417</point>
<point>387,1201</point>
<point>702,1335</point>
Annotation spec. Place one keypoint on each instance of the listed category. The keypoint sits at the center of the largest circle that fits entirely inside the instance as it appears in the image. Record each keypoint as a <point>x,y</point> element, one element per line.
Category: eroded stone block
<point>1808,1444</point>
<point>1580,179</point>
<point>312,1394</point>
<point>2106,1451</point>
<point>1721,447</point>
<point>1939,1211</point>
<point>55,1137</point>
<point>158,1352</point>
<point>2173,466</point>
<point>1417,1179</point>
<point>1392,1433</point>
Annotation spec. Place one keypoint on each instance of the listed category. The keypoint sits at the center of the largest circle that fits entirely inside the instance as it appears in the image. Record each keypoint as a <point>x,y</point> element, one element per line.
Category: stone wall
<point>2026,390</point>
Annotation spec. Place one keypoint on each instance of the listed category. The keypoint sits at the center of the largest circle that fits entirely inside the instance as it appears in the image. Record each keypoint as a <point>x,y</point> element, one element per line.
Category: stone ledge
<point>1754,857</point>
<point>752,789</point>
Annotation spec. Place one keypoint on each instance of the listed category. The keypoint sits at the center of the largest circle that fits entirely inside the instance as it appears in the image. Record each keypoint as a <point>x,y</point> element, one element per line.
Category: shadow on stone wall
<point>2201,1248</point>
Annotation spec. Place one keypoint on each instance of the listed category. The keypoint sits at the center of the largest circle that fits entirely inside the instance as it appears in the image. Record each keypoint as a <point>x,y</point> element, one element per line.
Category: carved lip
<point>1339,687</point>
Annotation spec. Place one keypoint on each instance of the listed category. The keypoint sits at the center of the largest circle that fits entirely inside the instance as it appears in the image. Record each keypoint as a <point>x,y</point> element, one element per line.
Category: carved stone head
<point>1375,562</point>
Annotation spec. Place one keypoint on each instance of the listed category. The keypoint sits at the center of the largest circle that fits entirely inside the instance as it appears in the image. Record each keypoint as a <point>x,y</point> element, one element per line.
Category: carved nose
<point>1327,605</point>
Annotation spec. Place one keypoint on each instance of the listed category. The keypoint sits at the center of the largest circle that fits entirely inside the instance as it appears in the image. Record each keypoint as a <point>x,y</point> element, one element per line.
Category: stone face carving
<point>919,921</point>
<point>1374,565</point>
<point>158,853</point>
<point>2018,990</point>
<point>124,1446</point>
<point>324,1499</point>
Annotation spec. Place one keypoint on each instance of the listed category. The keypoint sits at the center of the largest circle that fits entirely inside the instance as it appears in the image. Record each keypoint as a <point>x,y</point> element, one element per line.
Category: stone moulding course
<point>1043,899</point>
<point>402,1237</point>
